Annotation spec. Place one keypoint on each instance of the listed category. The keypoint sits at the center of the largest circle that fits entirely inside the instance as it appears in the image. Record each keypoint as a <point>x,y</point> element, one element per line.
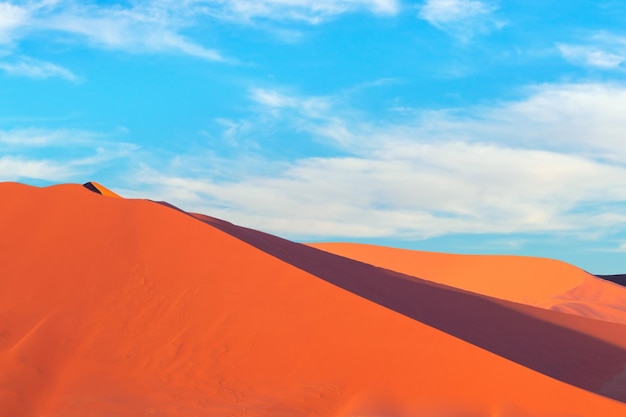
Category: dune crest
<point>129,308</point>
<point>100,189</point>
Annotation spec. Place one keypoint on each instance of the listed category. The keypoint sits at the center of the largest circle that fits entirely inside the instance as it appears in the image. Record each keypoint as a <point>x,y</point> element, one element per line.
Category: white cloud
<point>179,43</point>
<point>12,17</point>
<point>600,50</point>
<point>32,68</point>
<point>305,10</point>
<point>439,12</point>
<point>462,18</point>
<point>553,161</point>
<point>591,56</point>
<point>157,26</point>
<point>273,100</point>
<point>578,118</point>
<point>417,192</point>
<point>104,153</point>
<point>585,118</point>
<point>17,168</point>
<point>142,28</point>
<point>35,137</point>
<point>58,155</point>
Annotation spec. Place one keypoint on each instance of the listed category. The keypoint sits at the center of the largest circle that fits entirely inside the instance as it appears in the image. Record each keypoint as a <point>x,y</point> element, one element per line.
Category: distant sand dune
<point>534,281</point>
<point>127,308</point>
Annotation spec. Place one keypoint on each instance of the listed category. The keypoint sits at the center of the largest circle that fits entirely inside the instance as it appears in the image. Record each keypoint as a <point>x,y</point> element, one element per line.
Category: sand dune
<point>534,281</point>
<point>115,307</point>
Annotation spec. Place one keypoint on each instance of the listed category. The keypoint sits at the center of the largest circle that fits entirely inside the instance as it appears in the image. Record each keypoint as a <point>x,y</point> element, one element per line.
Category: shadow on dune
<point>514,331</point>
<point>91,187</point>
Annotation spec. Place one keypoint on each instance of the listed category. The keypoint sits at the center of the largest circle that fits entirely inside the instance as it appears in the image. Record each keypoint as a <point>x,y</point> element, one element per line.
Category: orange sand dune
<point>114,307</point>
<point>535,281</point>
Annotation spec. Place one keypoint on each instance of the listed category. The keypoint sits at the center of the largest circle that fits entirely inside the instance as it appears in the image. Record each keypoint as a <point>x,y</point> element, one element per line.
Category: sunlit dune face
<point>514,278</point>
<point>126,308</point>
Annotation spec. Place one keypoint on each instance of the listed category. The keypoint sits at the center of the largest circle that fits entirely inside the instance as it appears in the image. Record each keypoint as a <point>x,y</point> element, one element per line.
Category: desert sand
<point>119,307</point>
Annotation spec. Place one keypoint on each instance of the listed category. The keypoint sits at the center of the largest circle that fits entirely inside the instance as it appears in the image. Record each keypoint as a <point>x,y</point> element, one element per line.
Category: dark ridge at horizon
<point>616,278</point>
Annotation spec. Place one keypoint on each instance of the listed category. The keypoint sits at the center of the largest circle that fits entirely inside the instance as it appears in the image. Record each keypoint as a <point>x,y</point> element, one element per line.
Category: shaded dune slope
<point>484,321</point>
<point>540,282</point>
<point>128,308</point>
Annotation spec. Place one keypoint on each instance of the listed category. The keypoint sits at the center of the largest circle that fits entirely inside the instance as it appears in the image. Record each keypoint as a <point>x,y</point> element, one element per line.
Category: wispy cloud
<point>440,12</point>
<point>600,50</point>
<point>12,17</point>
<point>591,56</point>
<point>58,155</point>
<point>310,107</point>
<point>158,26</point>
<point>143,27</point>
<point>38,138</point>
<point>583,119</point>
<point>464,189</point>
<point>272,98</point>
<point>32,68</point>
<point>522,166</point>
<point>461,18</point>
<point>18,168</point>
<point>303,10</point>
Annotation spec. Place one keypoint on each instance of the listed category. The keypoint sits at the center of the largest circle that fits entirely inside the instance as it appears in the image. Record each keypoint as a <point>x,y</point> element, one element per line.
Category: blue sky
<point>471,126</point>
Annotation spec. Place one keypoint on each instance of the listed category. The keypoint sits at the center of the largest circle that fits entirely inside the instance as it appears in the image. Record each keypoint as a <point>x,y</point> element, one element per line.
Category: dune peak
<point>100,189</point>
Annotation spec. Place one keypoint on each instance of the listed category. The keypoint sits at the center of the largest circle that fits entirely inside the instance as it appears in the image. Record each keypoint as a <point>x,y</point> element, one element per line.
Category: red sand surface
<point>540,282</point>
<point>115,307</point>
